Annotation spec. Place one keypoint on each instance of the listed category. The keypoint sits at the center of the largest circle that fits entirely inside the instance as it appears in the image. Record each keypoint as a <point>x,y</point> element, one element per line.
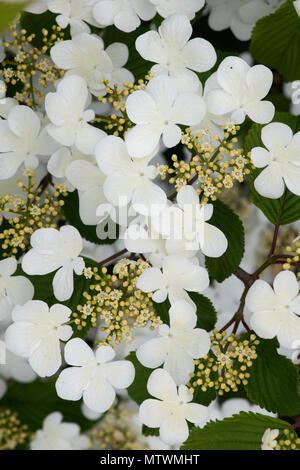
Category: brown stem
<point>274,241</point>
<point>115,256</point>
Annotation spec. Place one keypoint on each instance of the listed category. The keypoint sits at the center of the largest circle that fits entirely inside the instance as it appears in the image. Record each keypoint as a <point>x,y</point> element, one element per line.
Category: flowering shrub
<point>149,217</point>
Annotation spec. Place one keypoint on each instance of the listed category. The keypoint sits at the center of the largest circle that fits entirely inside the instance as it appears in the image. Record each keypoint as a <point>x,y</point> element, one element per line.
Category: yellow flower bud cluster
<point>227,364</point>
<point>114,300</point>
<point>28,64</point>
<point>26,213</point>
<point>114,431</point>
<point>288,440</point>
<point>293,261</point>
<point>12,432</point>
<point>215,166</point>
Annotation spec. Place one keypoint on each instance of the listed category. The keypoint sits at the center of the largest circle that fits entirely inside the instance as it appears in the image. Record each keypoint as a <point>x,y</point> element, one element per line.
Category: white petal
<point>120,374</point>
<point>182,315</point>
<point>83,175</point>
<point>118,53</point>
<point>260,111</point>
<point>149,280</point>
<point>174,429</point>
<point>171,135</point>
<point>196,413</point>
<point>260,297</point>
<point>215,243</point>
<point>150,46</point>
<point>100,395</point>
<point>63,283</point>
<point>152,413</point>
<point>87,137</point>
<point>286,286</point>
<point>127,20</point>
<point>72,382</point>
<point>259,80</point>
<point>189,109</point>
<point>46,358</point>
<point>276,135</point>
<point>199,55</point>
<point>289,334</point>
<point>176,30</point>
<point>269,182</point>
<point>24,123</point>
<point>179,364</point>
<point>153,353</point>
<point>161,385</point>
<point>187,196</point>
<point>142,140</point>
<point>8,266</point>
<point>78,353</point>
<point>260,156</point>
<point>266,323</point>
<point>140,107</point>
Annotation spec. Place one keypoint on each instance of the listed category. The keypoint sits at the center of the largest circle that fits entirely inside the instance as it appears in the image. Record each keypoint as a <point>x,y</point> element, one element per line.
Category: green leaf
<point>206,313</point>
<point>276,41</point>
<point>229,223</point>
<point>43,290</point>
<point>138,389</point>
<point>8,12</point>
<point>150,431</point>
<point>286,209</point>
<point>35,24</point>
<point>136,64</point>
<point>34,401</point>
<point>274,381</point>
<point>88,232</point>
<point>240,432</point>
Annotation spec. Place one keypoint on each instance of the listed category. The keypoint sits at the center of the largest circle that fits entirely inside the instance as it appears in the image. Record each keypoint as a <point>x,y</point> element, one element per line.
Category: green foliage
<point>229,223</point>
<point>274,381</point>
<point>276,41</point>
<point>8,12</point>
<point>88,232</point>
<point>240,432</point>
<point>34,401</point>
<point>43,290</point>
<point>286,209</point>
<point>34,24</point>
<point>138,389</point>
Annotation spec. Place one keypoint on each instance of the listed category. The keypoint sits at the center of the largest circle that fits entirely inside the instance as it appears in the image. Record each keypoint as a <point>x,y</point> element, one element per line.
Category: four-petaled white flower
<point>69,117</point>
<point>275,312</point>
<point>281,161</point>
<point>14,290</point>
<point>157,111</point>
<point>187,228</point>
<point>269,439</point>
<point>167,8</point>
<point>75,13</point>
<point>88,179</point>
<point>126,15</point>
<point>175,54</point>
<point>56,249</point>
<point>128,179</point>
<point>240,91</point>
<point>36,332</point>
<point>84,55</point>
<point>178,275</point>
<point>95,376</point>
<point>171,410</point>
<point>58,435</point>
<point>23,140</point>
<point>178,345</point>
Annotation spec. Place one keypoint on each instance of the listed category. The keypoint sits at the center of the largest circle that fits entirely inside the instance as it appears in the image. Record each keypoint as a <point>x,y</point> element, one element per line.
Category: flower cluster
<point>227,364</point>
<point>12,432</point>
<point>115,301</point>
<point>31,209</point>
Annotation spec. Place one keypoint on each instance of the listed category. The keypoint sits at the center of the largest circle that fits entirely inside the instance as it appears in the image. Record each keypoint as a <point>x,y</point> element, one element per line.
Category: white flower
<point>14,290</point>
<point>59,435</point>
<point>275,312</point>
<point>175,54</point>
<point>74,13</point>
<point>196,232</point>
<point>157,111</point>
<point>94,377</point>
<point>22,141</point>
<point>126,15</point>
<point>69,117</point>
<point>178,275</point>
<point>170,7</point>
<point>281,161</point>
<point>178,345</point>
<point>53,249</point>
<point>128,179</point>
<point>172,409</point>
<point>36,332</point>
<point>85,56</point>
<point>269,439</point>
<point>240,91</point>
<point>6,104</point>
<point>88,179</point>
